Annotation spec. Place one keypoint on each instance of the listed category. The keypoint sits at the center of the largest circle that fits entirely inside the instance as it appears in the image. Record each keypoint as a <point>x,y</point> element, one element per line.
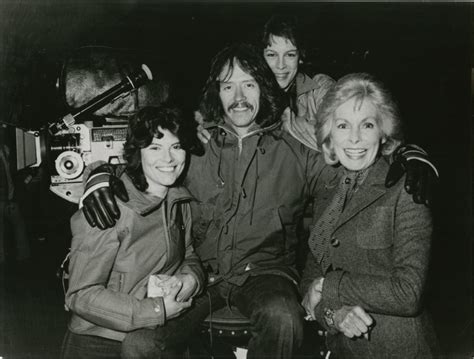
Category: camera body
<point>74,148</point>
<point>71,144</point>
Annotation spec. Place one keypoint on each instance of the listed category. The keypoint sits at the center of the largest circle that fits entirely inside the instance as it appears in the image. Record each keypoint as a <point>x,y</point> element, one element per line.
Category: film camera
<point>70,146</point>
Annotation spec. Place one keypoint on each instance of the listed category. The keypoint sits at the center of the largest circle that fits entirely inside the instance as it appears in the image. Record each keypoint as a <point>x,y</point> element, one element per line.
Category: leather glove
<point>421,174</point>
<point>98,201</point>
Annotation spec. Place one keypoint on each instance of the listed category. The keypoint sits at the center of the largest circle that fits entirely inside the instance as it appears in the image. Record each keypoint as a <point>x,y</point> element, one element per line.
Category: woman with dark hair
<point>370,245</point>
<point>143,271</point>
<point>284,53</point>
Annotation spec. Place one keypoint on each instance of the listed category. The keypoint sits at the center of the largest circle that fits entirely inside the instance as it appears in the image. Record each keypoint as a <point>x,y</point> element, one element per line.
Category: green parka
<point>251,193</point>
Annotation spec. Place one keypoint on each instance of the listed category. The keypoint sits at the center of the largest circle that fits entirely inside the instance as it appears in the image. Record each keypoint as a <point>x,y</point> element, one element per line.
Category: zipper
<point>167,253</point>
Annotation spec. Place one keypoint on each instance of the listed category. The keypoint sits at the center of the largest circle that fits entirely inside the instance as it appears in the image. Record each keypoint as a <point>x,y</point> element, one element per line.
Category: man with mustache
<point>251,186</point>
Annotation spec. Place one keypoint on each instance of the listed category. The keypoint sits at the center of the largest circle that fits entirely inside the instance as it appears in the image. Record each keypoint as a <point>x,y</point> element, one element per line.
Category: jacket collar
<point>370,190</point>
<point>255,130</point>
<point>143,203</point>
<point>304,84</point>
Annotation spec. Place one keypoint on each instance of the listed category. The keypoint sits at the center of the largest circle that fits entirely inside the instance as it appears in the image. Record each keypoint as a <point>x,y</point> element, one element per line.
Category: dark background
<point>422,52</point>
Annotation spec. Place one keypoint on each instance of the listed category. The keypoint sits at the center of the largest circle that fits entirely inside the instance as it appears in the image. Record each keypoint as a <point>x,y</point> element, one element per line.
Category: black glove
<point>98,201</point>
<point>421,174</point>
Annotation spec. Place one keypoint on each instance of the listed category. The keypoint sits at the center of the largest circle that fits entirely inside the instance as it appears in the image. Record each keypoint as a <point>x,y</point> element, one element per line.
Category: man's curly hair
<point>272,98</point>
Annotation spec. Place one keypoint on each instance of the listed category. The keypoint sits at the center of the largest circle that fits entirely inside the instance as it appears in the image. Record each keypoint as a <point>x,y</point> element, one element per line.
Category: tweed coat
<point>380,262</point>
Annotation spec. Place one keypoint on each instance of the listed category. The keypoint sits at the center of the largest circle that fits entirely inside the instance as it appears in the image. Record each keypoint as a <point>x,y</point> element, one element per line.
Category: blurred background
<point>422,51</point>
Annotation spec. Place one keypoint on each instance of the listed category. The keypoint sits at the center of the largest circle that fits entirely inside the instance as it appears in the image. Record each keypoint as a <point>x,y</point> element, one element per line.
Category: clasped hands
<point>352,321</point>
<point>176,290</point>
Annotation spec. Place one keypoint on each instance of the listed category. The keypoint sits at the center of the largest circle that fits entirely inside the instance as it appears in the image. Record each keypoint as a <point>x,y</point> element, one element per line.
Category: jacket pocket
<point>265,239</point>
<point>177,245</point>
<point>202,214</point>
<point>288,228</point>
<point>374,229</point>
<point>278,233</point>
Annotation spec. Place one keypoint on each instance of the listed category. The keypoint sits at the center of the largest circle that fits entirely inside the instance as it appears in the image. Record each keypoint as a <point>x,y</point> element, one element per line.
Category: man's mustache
<point>240,104</point>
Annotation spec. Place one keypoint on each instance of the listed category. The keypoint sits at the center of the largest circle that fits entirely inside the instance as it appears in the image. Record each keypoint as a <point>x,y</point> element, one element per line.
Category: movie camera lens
<point>69,164</point>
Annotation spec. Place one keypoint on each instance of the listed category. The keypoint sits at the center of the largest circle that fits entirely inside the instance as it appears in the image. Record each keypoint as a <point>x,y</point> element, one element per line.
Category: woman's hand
<point>352,321</point>
<point>313,297</point>
<point>189,286</point>
<point>173,307</point>
<point>160,285</point>
<point>286,116</point>
<point>203,134</point>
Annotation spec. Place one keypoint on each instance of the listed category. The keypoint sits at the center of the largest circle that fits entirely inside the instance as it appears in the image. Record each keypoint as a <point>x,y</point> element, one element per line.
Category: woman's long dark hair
<point>251,61</point>
<point>141,130</point>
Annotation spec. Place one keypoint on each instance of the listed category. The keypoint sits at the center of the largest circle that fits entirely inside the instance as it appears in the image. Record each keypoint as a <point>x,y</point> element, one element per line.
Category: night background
<point>421,51</point>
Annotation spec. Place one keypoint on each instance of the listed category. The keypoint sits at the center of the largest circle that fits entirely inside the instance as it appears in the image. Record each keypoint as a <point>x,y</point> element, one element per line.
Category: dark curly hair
<point>141,130</point>
<point>272,98</point>
<point>285,26</point>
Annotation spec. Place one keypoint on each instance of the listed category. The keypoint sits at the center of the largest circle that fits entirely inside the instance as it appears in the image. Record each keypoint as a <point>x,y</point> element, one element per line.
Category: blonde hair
<point>360,86</point>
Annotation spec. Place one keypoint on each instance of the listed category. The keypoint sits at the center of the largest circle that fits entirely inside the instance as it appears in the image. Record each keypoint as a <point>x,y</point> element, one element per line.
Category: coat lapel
<point>372,189</point>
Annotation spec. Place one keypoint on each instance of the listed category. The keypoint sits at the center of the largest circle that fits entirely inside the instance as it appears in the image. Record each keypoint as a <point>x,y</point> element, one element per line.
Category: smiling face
<point>356,134</point>
<point>240,97</point>
<point>163,162</point>
<point>282,57</point>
